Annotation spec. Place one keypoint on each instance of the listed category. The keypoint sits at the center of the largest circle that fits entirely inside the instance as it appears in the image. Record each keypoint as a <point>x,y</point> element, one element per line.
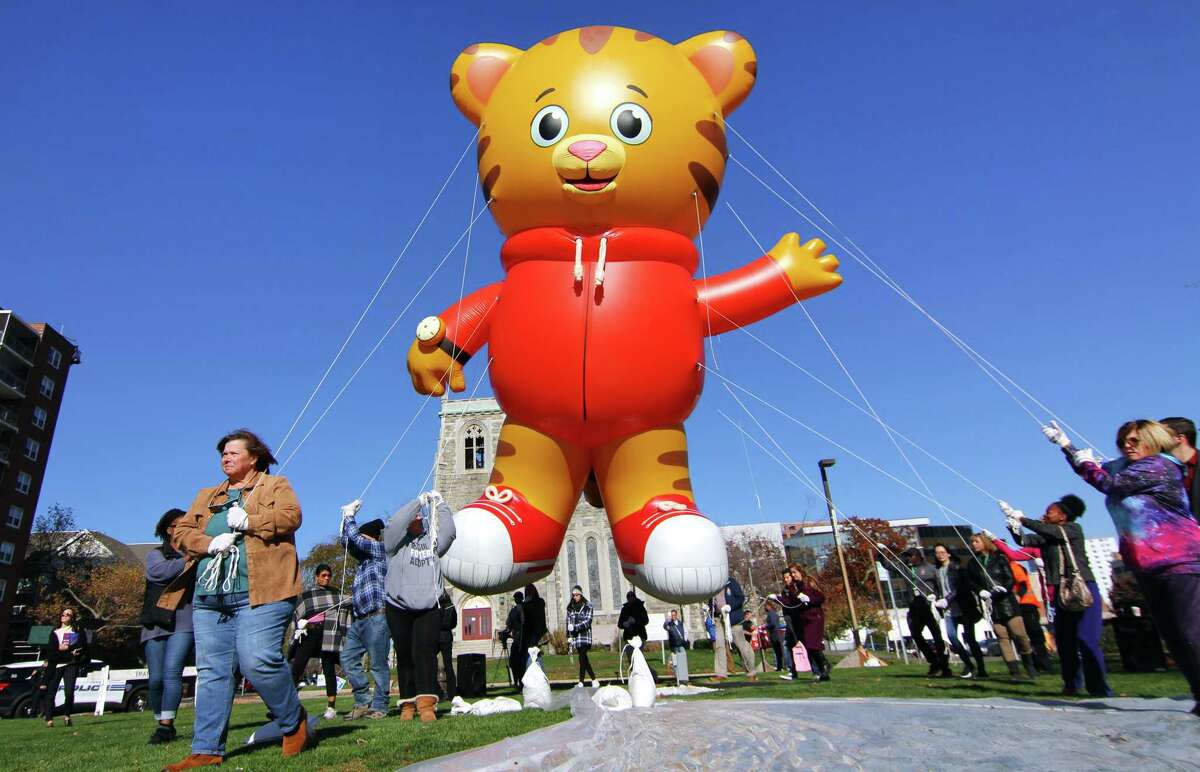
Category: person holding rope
<point>368,632</point>
<point>511,637</point>
<point>1059,542</point>
<point>960,609</point>
<point>793,622</point>
<point>728,609</point>
<point>1159,540</point>
<point>321,619</point>
<point>579,632</point>
<point>991,579</point>
<point>921,614</point>
<point>534,611</point>
<point>416,538</point>
<point>240,540</point>
<point>808,600</point>
<point>678,643</point>
<point>167,637</point>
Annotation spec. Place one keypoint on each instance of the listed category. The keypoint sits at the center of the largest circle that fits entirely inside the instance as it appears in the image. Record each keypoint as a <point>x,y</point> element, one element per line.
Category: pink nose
<point>587,149</point>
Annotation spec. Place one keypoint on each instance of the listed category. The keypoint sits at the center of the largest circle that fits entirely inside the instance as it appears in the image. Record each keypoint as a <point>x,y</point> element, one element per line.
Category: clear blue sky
<point>205,195</point>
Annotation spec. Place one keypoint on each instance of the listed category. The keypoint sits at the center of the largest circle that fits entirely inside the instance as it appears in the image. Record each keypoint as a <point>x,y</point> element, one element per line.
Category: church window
<point>572,574</point>
<point>593,568</point>
<point>614,571</point>
<point>474,455</point>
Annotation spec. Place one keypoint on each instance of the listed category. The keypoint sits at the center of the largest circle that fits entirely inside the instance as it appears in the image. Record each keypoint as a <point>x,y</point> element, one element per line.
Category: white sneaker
<point>579,685</point>
<point>786,676</point>
<point>329,714</point>
<point>595,684</point>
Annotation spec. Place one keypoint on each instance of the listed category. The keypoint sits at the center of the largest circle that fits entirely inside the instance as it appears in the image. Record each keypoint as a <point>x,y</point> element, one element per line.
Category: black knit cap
<point>1072,506</point>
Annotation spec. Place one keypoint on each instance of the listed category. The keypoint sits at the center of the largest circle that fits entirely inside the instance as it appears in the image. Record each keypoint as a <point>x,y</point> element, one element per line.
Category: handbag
<point>1073,592</point>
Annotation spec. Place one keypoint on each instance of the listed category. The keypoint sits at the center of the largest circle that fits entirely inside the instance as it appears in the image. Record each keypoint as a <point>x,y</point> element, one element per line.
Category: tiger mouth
<point>590,183</point>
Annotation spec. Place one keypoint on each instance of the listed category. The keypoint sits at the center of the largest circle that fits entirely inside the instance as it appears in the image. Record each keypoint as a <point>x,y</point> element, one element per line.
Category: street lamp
<point>824,464</point>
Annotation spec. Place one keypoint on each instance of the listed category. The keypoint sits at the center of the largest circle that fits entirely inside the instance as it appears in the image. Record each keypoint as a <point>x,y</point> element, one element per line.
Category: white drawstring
<point>600,262</point>
<point>578,261</point>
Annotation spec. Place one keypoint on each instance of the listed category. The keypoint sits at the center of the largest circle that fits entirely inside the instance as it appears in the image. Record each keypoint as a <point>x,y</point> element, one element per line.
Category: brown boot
<point>408,710</point>
<point>195,760</point>
<point>299,739</point>
<point>427,707</point>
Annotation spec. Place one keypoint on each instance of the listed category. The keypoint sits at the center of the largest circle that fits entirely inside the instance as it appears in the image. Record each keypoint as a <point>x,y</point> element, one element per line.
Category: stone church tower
<point>470,429</point>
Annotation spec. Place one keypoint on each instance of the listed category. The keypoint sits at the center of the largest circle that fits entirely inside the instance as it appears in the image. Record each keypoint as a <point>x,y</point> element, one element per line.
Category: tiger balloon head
<point>600,127</point>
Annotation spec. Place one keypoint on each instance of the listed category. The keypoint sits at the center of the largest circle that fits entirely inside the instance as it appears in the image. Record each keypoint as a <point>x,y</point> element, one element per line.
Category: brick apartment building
<point>34,362</point>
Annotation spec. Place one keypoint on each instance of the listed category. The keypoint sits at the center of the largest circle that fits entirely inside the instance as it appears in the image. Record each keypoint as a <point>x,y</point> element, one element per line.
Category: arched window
<point>614,571</point>
<point>593,568</point>
<point>474,454</point>
<point>572,574</point>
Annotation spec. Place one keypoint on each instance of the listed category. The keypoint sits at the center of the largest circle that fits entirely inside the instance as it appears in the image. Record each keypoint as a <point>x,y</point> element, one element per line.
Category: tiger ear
<point>726,61</point>
<point>475,73</point>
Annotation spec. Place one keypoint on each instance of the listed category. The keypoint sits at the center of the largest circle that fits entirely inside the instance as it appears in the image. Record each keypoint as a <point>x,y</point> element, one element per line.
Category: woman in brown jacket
<point>239,538</point>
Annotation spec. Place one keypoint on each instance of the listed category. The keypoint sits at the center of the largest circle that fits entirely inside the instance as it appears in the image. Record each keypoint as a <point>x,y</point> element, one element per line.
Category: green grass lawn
<point>117,741</point>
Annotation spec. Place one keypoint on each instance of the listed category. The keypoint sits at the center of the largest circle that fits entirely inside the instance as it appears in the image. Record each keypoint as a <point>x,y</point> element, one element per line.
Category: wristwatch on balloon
<point>431,331</point>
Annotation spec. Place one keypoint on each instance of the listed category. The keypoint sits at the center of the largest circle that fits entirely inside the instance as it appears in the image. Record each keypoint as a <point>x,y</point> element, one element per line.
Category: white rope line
<point>800,474</point>
<point>873,267</point>
<point>861,394</point>
<point>412,420</point>
<point>857,406</point>
<point>750,471</point>
<point>446,441</point>
<point>712,345</point>
<point>378,290</point>
<point>974,356</point>
<point>835,443</point>
<point>382,338</point>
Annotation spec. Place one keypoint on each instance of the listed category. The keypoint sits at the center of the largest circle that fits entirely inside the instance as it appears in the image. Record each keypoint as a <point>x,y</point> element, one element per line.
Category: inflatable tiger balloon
<point>601,152</point>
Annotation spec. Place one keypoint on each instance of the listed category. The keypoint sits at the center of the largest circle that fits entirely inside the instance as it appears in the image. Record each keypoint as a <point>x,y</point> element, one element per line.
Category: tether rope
<point>861,394</point>
<point>374,297</point>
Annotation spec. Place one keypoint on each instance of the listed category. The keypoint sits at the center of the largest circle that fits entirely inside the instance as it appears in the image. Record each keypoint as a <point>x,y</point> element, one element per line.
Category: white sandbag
<point>486,707</point>
<point>535,687</point>
<point>641,681</point>
<point>505,705</point>
<point>612,698</point>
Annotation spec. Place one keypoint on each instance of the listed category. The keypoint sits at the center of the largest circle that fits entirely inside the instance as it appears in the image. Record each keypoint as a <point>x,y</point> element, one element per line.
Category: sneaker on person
<point>579,685</point>
<point>375,715</point>
<point>357,712</point>
<point>786,676</point>
<point>330,713</point>
<point>595,683</point>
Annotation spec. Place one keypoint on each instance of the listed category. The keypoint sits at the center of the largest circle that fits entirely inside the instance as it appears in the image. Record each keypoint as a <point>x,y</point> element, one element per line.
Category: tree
<point>51,529</point>
<point>859,542</point>
<point>756,562</point>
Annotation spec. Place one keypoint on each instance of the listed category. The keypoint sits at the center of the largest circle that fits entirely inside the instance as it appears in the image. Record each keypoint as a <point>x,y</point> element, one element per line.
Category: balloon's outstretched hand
<point>809,270</point>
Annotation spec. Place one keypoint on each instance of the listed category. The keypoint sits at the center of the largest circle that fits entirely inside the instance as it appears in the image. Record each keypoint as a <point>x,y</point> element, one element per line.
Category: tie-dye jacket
<point>1149,506</point>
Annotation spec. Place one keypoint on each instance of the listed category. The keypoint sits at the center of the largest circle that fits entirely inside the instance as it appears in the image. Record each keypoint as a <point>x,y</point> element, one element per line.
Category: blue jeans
<point>1078,637</point>
<point>369,636</point>
<point>164,658</point>
<point>230,633</point>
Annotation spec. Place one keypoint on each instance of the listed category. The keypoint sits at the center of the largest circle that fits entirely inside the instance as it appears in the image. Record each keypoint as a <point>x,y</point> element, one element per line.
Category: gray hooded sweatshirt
<point>414,570</point>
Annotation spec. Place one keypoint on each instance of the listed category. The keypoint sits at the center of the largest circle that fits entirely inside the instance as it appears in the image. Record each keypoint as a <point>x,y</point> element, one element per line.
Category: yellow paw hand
<point>431,368</point>
<point>810,272</point>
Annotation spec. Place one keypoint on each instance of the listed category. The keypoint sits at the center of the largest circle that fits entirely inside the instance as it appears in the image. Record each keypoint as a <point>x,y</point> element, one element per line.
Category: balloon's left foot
<point>671,551</point>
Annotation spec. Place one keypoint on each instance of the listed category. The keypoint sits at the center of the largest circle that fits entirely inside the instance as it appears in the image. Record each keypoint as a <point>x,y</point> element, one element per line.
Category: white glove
<point>351,509</point>
<point>1014,521</point>
<point>1038,562</point>
<point>985,594</point>
<point>1056,435</point>
<point>988,534</point>
<point>773,597</point>
<point>237,518</point>
<point>1005,507</point>
<point>804,598</point>
<point>1087,454</point>
<point>221,542</point>
<point>941,603</point>
<point>570,628</point>
<point>998,590</point>
<point>301,624</point>
<point>931,597</point>
<point>726,609</point>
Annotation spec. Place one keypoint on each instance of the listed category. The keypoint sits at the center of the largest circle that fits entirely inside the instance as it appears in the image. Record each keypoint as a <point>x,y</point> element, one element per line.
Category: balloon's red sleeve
<point>468,321</point>
<point>743,296</point>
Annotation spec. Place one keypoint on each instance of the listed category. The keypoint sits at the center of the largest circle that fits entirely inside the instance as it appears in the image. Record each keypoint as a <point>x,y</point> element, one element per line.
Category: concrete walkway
<point>871,734</point>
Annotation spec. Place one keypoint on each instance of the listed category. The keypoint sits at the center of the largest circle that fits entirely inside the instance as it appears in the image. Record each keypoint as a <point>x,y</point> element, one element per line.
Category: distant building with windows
<point>470,431</point>
<point>34,362</point>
